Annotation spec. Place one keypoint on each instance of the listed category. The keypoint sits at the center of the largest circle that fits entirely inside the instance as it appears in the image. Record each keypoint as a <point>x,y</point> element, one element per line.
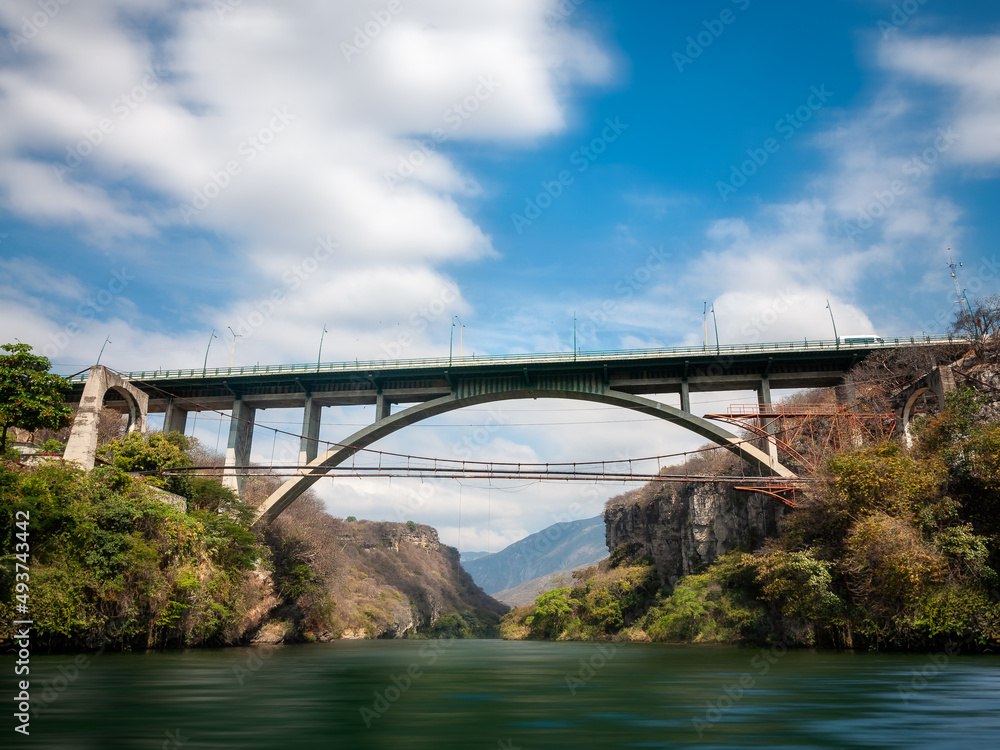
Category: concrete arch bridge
<point>436,386</point>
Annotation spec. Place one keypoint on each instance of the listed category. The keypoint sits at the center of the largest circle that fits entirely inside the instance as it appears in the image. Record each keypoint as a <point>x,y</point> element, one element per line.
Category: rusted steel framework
<point>804,433</point>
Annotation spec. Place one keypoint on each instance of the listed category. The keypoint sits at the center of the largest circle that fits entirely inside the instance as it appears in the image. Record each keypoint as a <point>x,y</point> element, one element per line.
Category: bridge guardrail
<point>533,358</point>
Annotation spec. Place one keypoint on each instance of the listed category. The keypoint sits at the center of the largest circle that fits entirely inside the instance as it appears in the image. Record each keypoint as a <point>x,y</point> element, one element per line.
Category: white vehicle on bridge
<point>861,338</point>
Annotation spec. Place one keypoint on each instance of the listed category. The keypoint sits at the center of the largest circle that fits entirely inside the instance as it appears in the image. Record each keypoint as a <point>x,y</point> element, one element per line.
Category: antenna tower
<point>960,298</point>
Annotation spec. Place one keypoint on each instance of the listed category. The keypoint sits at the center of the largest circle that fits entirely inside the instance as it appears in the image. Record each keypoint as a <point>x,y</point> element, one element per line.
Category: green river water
<point>495,695</point>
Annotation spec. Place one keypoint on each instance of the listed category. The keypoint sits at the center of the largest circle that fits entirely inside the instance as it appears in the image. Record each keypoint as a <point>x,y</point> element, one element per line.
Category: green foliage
<point>552,613</point>
<point>623,553</point>
<point>53,446</point>
<point>30,396</point>
<point>800,583</point>
<point>884,479</point>
<point>351,519</point>
<point>139,453</point>
<point>411,526</point>
<point>111,564</point>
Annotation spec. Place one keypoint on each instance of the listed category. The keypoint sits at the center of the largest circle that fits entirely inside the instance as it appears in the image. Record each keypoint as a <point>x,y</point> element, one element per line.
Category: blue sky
<point>168,168</point>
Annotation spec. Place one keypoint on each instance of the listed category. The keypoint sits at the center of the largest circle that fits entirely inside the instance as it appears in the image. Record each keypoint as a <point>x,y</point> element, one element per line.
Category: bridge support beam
<point>685,396</point>
<point>764,400</point>
<point>239,445</point>
<point>175,418</point>
<point>382,407</point>
<point>309,443</point>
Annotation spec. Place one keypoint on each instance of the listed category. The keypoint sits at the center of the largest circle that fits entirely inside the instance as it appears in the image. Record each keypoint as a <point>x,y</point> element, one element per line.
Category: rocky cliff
<point>684,527</point>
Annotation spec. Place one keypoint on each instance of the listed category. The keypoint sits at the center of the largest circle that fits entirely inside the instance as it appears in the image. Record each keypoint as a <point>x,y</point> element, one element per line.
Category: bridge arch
<point>82,443</point>
<point>281,498</point>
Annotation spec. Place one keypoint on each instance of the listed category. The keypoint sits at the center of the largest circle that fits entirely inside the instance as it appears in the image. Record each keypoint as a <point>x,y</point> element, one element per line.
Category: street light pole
<point>460,330</point>
<point>320,355</point>
<point>106,342</point>
<point>704,314</point>
<point>574,336</point>
<point>451,340</point>
<point>836,338</point>
<point>716,321</point>
<point>204,368</point>
<point>233,355</point>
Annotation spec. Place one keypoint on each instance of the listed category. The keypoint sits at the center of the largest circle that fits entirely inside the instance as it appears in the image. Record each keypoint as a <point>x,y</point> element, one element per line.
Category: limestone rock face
<point>683,527</point>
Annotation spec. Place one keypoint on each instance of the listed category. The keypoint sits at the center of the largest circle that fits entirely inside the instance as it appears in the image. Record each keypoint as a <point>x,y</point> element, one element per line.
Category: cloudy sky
<point>170,169</point>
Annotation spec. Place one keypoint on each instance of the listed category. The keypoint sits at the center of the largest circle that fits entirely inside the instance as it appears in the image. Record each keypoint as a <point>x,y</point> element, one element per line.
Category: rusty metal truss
<point>806,432</point>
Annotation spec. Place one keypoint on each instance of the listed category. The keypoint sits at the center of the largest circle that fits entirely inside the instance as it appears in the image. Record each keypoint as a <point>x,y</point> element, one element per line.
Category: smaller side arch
<point>907,415</point>
<point>82,444</point>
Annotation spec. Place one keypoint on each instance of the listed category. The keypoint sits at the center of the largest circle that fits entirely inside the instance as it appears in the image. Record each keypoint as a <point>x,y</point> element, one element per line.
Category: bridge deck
<point>636,371</point>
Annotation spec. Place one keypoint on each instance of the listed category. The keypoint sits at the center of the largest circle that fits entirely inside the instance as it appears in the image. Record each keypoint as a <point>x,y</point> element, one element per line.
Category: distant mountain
<point>527,592</point>
<point>560,547</point>
<point>466,556</point>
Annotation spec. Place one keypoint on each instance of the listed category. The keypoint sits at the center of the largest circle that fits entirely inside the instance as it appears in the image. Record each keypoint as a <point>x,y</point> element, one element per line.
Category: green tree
<point>30,396</point>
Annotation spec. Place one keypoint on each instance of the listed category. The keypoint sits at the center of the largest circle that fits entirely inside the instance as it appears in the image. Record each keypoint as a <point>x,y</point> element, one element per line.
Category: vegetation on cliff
<point>898,548</point>
<point>117,562</point>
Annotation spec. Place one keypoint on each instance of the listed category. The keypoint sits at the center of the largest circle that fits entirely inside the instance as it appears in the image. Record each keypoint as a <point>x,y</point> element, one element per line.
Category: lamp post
<point>704,314</point>
<point>204,367</point>
<point>106,342</point>
<point>574,335</point>
<point>836,338</point>
<point>716,321</point>
<point>233,355</point>
<point>461,328</point>
<point>451,340</point>
<point>320,355</point>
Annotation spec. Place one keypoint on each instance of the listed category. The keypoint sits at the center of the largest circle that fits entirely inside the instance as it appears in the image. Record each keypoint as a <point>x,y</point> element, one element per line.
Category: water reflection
<point>494,694</point>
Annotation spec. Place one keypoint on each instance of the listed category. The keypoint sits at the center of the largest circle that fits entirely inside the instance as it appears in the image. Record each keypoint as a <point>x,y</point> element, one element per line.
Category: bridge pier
<point>764,400</point>
<point>382,407</point>
<point>685,396</point>
<point>239,445</point>
<point>309,443</point>
<point>175,417</point>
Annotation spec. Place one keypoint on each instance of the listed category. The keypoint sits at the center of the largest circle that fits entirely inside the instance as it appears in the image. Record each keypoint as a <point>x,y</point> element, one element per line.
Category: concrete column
<point>764,400</point>
<point>309,444</point>
<point>175,418</point>
<point>383,407</point>
<point>685,397</point>
<point>238,448</point>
